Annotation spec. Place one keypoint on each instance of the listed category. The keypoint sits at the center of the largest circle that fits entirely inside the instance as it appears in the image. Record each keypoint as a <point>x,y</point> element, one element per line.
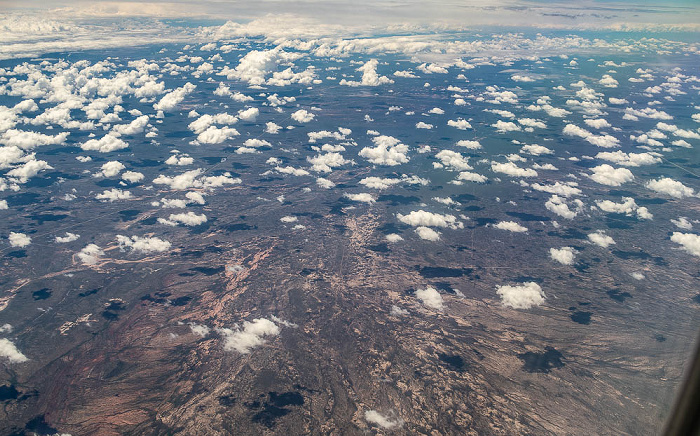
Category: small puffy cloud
<point>202,123</point>
<point>293,171</point>
<point>289,219</point>
<point>195,197</point>
<point>170,100</point>
<point>374,182</point>
<point>135,127</point>
<point>670,187</point>
<point>468,176</point>
<point>531,122</point>
<point>180,160</point>
<point>106,144</point>
<point>610,176</point>
<point>325,163</point>
<point>601,239</point>
<point>362,197</point>
<point>187,219</point>
<point>506,126</point>
<point>19,240</point>
<point>647,112</point>
<point>427,233</point>
<point>324,183</point>
<point>598,123</point>
<point>460,124</point>
<point>637,276</point>
<point>429,219</point>
<point>132,176</point>
<point>535,149</point>
<point>387,151</point>
<point>111,168</point>
<point>194,179</point>
<point>29,140</point>
<point>272,128</point>
<point>26,106</point>
<point>173,203</point>
<point>628,159</point>
<point>471,145</point>
<point>250,336</point>
<point>199,329</point>
<point>512,169</point>
<point>510,226</point>
<point>522,296</point>
<point>564,255</point>
<point>558,188</point>
<point>521,78</point>
<point>370,77</point>
<point>432,68</point>
<point>216,135</point>
<point>689,242</point>
<point>385,422</point>
<point>558,205</point>
<point>143,245</point>
<point>69,237</point>
<point>453,160</point>
<point>405,74</point>
<point>603,141</point>
<point>303,116</point>
<point>627,207</point>
<point>28,170</point>
<point>608,81</point>
<point>422,125</point>
<point>430,297</point>
<point>393,237</point>
<point>9,351</point>
<point>90,254</point>
<point>397,311</point>
<point>682,223</point>
<point>113,194</point>
<point>250,114</point>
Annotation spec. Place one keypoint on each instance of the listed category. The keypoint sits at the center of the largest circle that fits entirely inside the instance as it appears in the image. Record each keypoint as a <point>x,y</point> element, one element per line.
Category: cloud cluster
<point>559,206</point>
<point>195,179</point>
<point>628,207</point>
<point>387,151</point>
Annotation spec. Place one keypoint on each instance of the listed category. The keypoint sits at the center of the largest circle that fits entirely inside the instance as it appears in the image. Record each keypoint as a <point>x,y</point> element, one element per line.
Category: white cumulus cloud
<point>522,296</point>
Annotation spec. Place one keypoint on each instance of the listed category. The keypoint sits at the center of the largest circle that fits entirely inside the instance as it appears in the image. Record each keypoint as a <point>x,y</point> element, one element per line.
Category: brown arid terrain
<point>127,361</point>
